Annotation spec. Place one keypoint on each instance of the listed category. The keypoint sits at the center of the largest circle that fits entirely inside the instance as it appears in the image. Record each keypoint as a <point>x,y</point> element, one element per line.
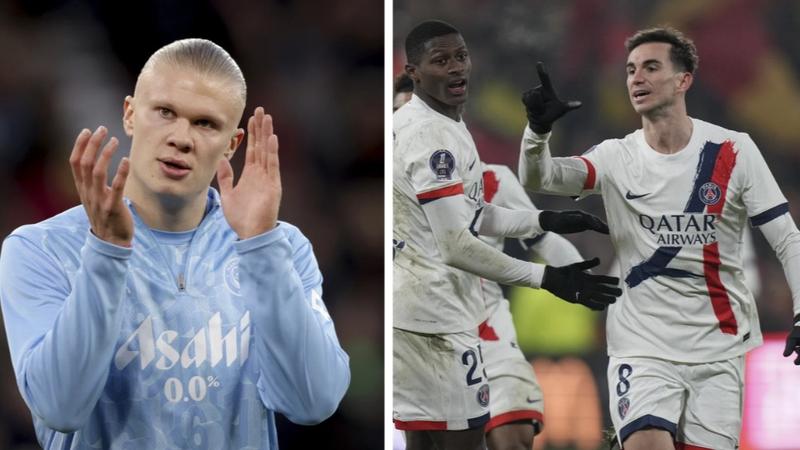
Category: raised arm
<point>61,331</point>
<point>304,373</point>
<point>538,170</point>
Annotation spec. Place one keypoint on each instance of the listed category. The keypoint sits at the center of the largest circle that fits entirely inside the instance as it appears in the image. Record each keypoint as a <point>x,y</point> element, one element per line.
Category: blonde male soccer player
<point>678,194</point>
<point>161,314</point>
<point>441,395</point>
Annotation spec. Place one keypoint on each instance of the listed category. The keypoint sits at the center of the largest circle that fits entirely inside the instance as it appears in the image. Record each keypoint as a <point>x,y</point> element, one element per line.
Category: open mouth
<point>457,87</point>
<point>174,168</point>
<point>638,95</point>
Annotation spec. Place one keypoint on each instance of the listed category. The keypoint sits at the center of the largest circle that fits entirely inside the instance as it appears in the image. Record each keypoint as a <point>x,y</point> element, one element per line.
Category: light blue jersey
<point>124,348</point>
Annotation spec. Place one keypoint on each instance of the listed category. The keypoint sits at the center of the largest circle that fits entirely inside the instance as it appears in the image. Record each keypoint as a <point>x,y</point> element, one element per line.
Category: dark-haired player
<point>441,395</point>
<point>403,88</point>
<point>678,194</point>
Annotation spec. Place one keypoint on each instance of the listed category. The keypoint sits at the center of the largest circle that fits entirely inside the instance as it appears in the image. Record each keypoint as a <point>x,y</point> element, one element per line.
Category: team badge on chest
<point>442,164</point>
<point>709,193</point>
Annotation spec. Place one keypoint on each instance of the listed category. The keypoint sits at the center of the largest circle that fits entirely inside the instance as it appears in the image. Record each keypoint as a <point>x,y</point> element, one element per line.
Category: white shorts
<point>439,381</point>
<point>699,404</point>
<point>516,394</point>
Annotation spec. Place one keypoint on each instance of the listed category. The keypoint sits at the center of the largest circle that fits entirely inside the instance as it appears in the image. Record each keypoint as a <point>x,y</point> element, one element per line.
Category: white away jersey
<point>676,223</point>
<point>434,157</point>
<point>501,187</point>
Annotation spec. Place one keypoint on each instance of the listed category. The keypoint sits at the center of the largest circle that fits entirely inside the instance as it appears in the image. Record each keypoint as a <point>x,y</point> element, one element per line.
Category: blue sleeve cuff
<point>258,241</point>
<point>768,215</point>
<point>107,248</point>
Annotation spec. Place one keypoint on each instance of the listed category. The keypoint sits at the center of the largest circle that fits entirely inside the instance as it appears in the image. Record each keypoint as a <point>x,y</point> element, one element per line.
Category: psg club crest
<point>623,406</point>
<point>483,395</point>
<point>709,193</point>
<point>443,164</point>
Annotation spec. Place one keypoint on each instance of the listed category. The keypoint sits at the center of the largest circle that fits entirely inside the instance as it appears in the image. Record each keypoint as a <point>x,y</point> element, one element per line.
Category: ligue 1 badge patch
<point>709,193</point>
<point>483,395</point>
<point>442,164</point>
<point>623,406</point>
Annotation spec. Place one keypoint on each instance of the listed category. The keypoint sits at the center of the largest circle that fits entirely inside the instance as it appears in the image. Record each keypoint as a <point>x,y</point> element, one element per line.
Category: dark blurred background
<point>317,67</point>
<point>748,80</point>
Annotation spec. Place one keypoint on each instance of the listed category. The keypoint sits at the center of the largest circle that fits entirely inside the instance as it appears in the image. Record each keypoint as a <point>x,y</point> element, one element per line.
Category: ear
<point>236,140</point>
<point>685,81</point>
<point>411,70</point>
<point>127,115</point>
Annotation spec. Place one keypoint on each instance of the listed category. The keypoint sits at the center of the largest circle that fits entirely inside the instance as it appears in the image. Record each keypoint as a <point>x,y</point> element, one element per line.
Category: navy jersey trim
<point>772,213</point>
<point>479,421</point>
<point>644,422</point>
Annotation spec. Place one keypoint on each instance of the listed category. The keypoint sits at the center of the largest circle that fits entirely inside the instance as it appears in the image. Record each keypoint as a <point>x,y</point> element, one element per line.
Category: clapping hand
<point>109,216</point>
<point>251,207</point>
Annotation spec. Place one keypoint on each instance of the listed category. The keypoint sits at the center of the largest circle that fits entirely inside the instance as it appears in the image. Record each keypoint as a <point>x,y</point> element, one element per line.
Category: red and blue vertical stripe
<point>715,166</point>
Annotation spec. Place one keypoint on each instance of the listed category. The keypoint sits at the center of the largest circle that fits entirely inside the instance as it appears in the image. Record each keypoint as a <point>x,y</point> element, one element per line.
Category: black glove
<point>793,341</point>
<point>542,104</point>
<point>565,222</point>
<point>572,284</point>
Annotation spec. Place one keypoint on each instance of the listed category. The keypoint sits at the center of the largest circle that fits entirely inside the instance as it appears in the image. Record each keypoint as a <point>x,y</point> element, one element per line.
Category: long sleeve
<point>540,172</point>
<point>556,250</point>
<point>497,221</point>
<point>449,220</point>
<point>304,372</point>
<point>783,236</point>
<point>62,333</point>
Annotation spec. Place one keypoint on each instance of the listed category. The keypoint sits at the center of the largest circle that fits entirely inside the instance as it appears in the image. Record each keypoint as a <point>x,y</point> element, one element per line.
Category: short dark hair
<point>682,52</point>
<point>403,83</point>
<point>421,34</point>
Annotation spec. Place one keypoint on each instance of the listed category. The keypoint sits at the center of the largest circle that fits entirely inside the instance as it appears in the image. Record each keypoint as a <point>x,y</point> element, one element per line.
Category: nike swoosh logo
<point>630,196</point>
<point>528,399</point>
<point>472,164</point>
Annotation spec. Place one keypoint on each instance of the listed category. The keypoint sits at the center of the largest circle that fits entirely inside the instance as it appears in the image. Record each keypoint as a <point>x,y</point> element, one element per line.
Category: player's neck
<point>452,111</point>
<point>167,213</point>
<point>667,133</point>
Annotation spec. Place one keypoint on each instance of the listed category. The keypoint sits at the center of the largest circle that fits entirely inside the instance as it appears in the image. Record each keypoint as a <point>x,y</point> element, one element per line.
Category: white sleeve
<point>497,221</point>
<point>450,218</point>
<point>760,193</point>
<point>556,250</point>
<point>783,236</point>
<point>540,172</point>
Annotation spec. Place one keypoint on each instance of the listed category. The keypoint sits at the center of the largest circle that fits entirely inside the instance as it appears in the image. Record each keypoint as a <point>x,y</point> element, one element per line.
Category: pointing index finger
<point>544,78</point>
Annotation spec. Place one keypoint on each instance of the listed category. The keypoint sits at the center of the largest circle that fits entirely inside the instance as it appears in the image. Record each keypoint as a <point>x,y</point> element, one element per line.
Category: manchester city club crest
<point>443,164</point>
<point>623,406</point>
<point>709,193</point>
<point>232,275</point>
<point>483,395</point>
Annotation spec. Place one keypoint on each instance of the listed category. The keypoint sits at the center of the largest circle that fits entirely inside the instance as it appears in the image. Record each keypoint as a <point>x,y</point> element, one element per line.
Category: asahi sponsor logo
<point>684,229</point>
<point>166,350</point>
